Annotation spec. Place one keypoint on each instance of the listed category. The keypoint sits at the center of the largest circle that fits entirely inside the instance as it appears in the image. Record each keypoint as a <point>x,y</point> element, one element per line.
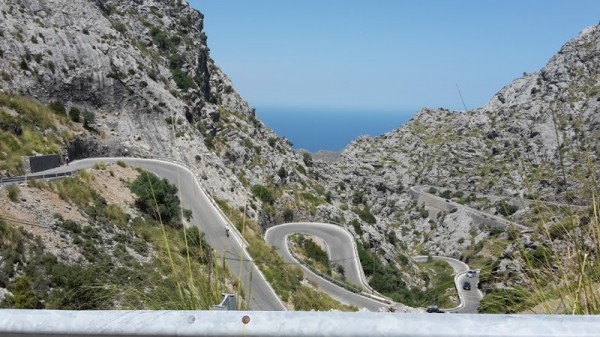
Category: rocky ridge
<point>536,138</point>
<point>144,69</point>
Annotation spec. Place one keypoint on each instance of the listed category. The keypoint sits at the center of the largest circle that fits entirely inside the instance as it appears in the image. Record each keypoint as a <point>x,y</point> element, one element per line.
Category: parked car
<point>434,309</point>
<point>467,285</point>
<point>471,273</point>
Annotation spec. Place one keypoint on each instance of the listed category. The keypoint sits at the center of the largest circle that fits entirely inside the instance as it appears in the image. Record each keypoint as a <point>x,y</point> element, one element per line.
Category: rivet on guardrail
<point>246,319</point>
<point>191,319</point>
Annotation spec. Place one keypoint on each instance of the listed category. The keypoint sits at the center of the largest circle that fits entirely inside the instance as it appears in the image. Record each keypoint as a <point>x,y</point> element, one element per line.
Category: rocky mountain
<point>141,71</point>
<point>535,138</point>
<point>532,149</point>
<point>144,70</point>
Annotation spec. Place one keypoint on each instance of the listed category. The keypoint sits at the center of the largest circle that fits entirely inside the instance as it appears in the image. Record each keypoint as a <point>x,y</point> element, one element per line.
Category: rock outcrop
<point>143,73</point>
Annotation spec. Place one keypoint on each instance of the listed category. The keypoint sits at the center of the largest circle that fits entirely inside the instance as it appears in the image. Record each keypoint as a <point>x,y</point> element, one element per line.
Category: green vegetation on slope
<point>26,128</point>
<point>158,198</point>
<point>387,279</point>
<point>311,253</point>
<point>119,262</point>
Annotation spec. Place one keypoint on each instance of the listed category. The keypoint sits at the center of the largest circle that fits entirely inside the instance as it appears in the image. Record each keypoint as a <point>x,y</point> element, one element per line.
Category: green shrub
<point>89,118</point>
<point>358,197</point>
<point>23,64</point>
<point>505,208</point>
<point>157,198</point>
<point>23,296</point>
<point>538,257</point>
<point>458,194</point>
<point>365,215</point>
<point>311,198</point>
<point>307,299</point>
<point>403,259</point>
<point>209,141</point>
<point>183,80</point>
<point>120,27</point>
<point>369,261</point>
<point>357,229</point>
<point>315,252</point>
<point>194,237</point>
<point>77,190</point>
<point>77,288</point>
<point>447,194</point>
<point>263,193</point>
<point>13,192</point>
<point>387,280</point>
<point>116,215</point>
<point>307,159</point>
<point>495,231</point>
<point>58,107</point>
<point>74,114</point>
<point>162,40</point>
<point>51,66</point>
<point>288,215</point>
<point>176,61</point>
<point>70,226</point>
<point>282,173</point>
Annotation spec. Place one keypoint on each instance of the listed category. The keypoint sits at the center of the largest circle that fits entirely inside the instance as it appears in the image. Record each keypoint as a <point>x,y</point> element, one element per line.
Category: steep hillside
<point>135,78</point>
<point>535,142</point>
<point>143,70</point>
<point>83,243</point>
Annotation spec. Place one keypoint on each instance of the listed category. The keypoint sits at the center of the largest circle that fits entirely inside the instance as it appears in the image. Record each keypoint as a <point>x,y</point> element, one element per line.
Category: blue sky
<point>385,55</point>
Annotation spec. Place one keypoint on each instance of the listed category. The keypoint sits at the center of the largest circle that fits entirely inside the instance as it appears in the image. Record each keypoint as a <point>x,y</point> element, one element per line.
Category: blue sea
<point>326,129</point>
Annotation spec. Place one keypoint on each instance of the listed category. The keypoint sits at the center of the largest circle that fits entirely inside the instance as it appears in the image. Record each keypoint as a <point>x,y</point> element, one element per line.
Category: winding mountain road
<point>419,193</point>
<point>206,216</point>
<point>469,299</point>
<point>341,249</point>
<point>341,245</point>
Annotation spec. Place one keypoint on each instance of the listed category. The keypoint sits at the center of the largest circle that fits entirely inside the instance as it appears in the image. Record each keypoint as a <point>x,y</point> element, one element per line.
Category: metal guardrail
<point>42,323</point>
<point>24,179</point>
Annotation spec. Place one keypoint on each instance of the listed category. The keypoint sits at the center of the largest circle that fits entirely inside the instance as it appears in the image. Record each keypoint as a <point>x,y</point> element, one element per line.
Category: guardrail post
<point>228,303</point>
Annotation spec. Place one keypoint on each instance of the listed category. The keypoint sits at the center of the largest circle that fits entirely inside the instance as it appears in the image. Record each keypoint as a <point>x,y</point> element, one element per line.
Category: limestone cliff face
<point>102,54</point>
<point>144,69</point>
